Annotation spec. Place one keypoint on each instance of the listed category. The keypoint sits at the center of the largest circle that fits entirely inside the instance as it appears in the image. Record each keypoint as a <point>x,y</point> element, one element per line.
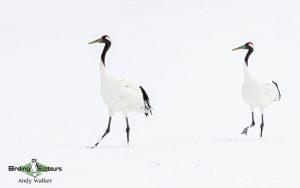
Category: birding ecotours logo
<point>34,168</point>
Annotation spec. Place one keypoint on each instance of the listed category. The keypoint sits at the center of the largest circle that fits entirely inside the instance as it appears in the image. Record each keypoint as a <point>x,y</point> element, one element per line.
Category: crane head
<point>103,39</point>
<point>248,46</point>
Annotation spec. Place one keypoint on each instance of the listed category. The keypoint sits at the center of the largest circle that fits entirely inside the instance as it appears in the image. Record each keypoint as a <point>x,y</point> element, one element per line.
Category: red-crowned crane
<point>120,95</point>
<point>255,92</point>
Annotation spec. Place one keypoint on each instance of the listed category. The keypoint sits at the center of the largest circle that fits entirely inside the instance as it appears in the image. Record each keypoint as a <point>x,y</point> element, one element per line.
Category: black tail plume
<point>277,89</point>
<point>148,107</point>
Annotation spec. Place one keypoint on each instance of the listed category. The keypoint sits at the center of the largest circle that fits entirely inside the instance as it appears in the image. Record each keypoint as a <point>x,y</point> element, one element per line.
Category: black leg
<point>245,131</point>
<point>262,125</point>
<point>106,132</point>
<point>127,130</point>
<point>253,123</point>
<point>108,128</point>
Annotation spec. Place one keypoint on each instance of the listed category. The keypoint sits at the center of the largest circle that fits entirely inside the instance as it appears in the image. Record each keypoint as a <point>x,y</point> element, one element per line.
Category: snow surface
<point>180,51</point>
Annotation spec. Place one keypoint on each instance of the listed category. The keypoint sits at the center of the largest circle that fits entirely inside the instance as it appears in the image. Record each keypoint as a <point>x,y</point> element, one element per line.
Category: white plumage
<point>120,95</point>
<point>256,92</point>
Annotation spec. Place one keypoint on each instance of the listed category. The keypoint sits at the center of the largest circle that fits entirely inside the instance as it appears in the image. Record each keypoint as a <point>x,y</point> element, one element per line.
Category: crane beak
<point>95,41</point>
<point>238,48</point>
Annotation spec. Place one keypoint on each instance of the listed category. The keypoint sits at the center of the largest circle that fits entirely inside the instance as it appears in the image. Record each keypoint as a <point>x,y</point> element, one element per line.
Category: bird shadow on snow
<point>237,139</point>
<point>108,147</point>
<point>79,147</point>
<point>179,142</point>
<point>88,147</point>
<point>122,147</point>
<point>154,146</point>
<point>228,140</point>
<point>243,139</point>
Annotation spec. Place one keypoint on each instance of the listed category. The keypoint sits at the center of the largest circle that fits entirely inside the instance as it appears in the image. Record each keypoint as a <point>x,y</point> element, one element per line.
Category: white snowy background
<point>180,51</point>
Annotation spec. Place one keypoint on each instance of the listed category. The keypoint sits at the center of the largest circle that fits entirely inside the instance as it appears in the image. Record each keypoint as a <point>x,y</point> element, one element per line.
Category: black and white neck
<point>106,40</point>
<point>250,50</point>
<point>105,49</point>
<point>248,46</point>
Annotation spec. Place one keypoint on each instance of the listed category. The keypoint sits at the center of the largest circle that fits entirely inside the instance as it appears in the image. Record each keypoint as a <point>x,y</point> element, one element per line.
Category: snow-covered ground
<point>180,51</point>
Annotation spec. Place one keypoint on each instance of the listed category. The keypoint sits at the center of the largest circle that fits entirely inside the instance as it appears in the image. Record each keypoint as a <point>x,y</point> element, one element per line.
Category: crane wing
<point>129,84</point>
<point>135,97</point>
<point>271,90</point>
<point>131,94</point>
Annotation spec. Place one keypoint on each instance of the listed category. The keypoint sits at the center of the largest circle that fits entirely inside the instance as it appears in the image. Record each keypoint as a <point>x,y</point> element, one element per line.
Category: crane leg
<point>245,131</point>
<point>262,124</point>
<point>108,128</point>
<point>127,130</point>
<point>253,123</point>
<point>106,132</point>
